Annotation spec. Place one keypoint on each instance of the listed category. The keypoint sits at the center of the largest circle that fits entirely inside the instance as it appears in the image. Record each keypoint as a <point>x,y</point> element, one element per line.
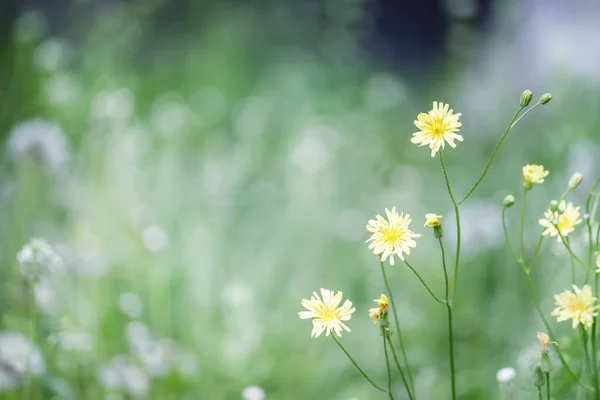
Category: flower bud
<point>554,206</point>
<point>575,180</point>
<point>526,98</point>
<point>546,363</point>
<point>509,201</point>
<point>546,97</point>
<point>527,185</point>
<point>538,377</point>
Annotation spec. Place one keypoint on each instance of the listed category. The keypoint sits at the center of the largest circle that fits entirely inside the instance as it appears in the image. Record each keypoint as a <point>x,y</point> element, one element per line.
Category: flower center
<point>327,314</point>
<point>563,223</point>
<point>578,306</point>
<point>391,235</point>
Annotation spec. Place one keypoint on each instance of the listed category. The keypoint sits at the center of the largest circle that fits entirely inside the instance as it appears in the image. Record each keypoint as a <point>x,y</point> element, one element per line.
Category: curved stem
<point>450,330</point>
<point>410,395</point>
<point>513,122</point>
<point>536,252</point>
<point>397,321</point>
<point>537,304</point>
<point>457,217</point>
<point>387,364</point>
<point>565,241</point>
<point>522,224</point>
<point>423,282</point>
<point>356,365</point>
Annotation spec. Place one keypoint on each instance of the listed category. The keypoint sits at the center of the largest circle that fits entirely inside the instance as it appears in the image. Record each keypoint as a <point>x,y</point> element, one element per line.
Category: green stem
<point>588,362</point>
<point>450,330</point>
<point>540,393</point>
<point>565,241</point>
<point>522,225</point>
<point>356,365</point>
<point>513,122</point>
<point>410,395</point>
<point>32,337</point>
<point>457,217</point>
<point>536,252</point>
<point>397,321</point>
<point>423,282</point>
<point>537,304</point>
<point>387,364</point>
<point>591,263</point>
<point>547,385</point>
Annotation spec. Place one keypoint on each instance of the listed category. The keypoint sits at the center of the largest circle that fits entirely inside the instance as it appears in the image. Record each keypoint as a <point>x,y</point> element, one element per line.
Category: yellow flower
<point>432,220</point>
<point>326,313</point>
<point>392,236</point>
<point>376,313</point>
<point>544,341</point>
<point>436,127</point>
<point>534,174</point>
<point>579,306</point>
<point>565,221</point>
<point>598,263</point>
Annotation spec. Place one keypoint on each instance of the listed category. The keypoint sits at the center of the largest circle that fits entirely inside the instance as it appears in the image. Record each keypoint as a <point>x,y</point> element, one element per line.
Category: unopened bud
<point>575,180</point>
<point>509,201</point>
<point>526,98</point>
<point>527,185</point>
<point>538,377</point>
<point>554,206</point>
<point>546,97</point>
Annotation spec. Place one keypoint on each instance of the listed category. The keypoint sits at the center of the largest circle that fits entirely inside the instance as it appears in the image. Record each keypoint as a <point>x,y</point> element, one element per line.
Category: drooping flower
<point>534,174</point>
<point>326,314</point>
<point>380,311</point>
<point>392,236</point>
<point>432,220</point>
<point>579,306</point>
<point>563,222</point>
<point>437,127</point>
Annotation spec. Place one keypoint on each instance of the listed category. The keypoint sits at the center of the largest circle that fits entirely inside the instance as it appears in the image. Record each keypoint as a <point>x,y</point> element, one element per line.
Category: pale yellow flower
<point>565,222</point>
<point>437,127</point>
<point>326,314</point>
<point>534,173</point>
<point>579,306</point>
<point>544,341</point>
<point>598,263</point>
<point>392,236</point>
<point>381,310</point>
<point>432,220</point>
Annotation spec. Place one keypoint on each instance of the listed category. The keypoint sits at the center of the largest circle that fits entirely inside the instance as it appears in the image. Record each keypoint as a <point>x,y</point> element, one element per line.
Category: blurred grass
<point>261,163</point>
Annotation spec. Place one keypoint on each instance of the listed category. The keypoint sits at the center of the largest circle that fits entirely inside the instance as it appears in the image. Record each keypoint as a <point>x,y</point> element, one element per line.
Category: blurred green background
<point>202,167</point>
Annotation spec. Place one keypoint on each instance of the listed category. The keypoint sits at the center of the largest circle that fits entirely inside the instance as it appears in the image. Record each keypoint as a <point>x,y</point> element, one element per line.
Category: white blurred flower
<point>130,304</point>
<point>506,375</point>
<point>138,335</point>
<point>155,238</point>
<point>253,393</point>
<point>61,88</point>
<point>117,105</point>
<point>78,341</point>
<point>17,357</point>
<point>41,139</point>
<point>311,155</point>
<point>122,375</point>
<point>51,54</point>
<point>37,258</point>
<point>45,297</point>
<point>168,115</point>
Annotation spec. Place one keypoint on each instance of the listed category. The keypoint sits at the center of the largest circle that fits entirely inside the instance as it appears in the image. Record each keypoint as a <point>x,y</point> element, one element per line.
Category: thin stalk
<point>450,330</point>
<point>537,304</point>
<point>588,362</point>
<point>522,225</point>
<point>589,212</point>
<point>356,365</point>
<point>423,282</point>
<point>32,337</point>
<point>457,216</point>
<point>565,241</point>
<point>572,263</point>
<point>387,364</point>
<point>397,321</point>
<point>547,385</point>
<point>536,252</point>
<point>540,393</point>
<point>513,122</point>
<point>410,395</point>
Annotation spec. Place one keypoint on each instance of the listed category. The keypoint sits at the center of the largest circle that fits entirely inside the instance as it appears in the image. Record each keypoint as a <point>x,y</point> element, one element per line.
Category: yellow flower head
<point>534,174</point>
<point>598,263</point>
<point>432,220</point>
<point>326,314</point>
<point>437,127</point>
<point>578,306</point>
<point>565,221</point>
<point>376,313</point>
<point>392,236</point>
<point>544,341</point>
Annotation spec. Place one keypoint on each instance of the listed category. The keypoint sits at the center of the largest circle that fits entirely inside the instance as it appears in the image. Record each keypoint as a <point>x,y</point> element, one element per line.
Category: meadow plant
<point>391,236</point>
